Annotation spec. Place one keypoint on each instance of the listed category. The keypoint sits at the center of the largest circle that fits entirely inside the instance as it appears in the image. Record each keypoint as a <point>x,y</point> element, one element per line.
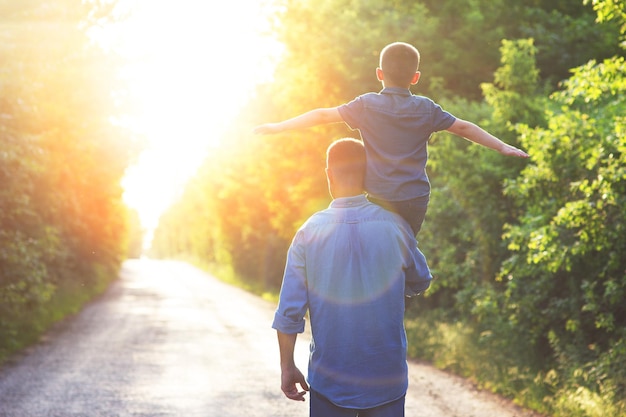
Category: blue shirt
<point>346,265</point>
<point>395,126</point>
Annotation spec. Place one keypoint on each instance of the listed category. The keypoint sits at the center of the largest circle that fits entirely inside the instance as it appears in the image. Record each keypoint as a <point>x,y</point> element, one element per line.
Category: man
<point>347,265</point>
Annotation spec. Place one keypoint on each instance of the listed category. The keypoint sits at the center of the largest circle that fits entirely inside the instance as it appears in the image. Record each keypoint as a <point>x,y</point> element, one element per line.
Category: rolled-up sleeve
<point>292,304</point>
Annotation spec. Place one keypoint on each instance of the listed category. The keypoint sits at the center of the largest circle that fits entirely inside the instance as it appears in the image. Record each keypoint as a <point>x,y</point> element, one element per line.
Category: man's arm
<point>290,374</point>
<point>311,118</point>
<point>478,135</point>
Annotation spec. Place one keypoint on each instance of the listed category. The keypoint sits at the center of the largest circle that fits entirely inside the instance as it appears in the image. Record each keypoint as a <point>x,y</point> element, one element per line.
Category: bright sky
<point>191,65</point>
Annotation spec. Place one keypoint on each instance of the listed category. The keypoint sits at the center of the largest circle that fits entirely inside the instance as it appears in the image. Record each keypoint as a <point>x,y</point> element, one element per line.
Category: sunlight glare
<point>190,66</point>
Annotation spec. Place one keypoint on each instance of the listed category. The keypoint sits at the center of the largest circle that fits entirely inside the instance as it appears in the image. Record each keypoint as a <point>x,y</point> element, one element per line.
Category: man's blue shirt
<point>395,126</point>
<point>347,266</point>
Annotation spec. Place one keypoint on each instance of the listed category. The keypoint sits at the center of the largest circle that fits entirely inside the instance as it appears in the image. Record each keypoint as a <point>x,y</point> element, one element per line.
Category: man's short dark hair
<point>399,62</point>
<point>346,157</point>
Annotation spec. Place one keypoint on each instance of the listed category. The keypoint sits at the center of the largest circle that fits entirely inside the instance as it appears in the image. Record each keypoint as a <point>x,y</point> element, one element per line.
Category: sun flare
<point>189,67</point>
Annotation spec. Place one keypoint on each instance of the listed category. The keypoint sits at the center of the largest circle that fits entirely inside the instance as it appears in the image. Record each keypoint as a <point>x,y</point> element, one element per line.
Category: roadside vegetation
<point>64,229</point>
<point>528,255</point>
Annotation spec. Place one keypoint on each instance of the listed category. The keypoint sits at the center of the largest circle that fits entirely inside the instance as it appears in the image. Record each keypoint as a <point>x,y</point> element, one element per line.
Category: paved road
<point>169,340</point>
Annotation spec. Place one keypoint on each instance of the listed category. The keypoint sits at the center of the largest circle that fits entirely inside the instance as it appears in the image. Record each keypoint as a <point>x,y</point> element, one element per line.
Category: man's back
<point>354,254</point>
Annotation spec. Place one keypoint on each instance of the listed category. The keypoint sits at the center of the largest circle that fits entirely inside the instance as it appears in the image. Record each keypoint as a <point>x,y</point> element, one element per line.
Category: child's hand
<point>509,150</point>
<point>266,129</point>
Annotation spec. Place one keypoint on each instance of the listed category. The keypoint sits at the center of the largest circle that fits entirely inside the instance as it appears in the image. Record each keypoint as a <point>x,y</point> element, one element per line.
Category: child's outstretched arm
<point>476,134</point>
<point>311,118</point>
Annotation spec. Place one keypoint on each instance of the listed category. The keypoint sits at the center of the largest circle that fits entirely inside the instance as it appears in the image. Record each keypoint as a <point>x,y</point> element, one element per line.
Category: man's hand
<point>290,377</point>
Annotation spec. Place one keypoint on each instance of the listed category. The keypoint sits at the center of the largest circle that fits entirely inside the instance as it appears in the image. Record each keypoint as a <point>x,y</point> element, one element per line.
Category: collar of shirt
<point>396,90</point>
<point>354,201</point>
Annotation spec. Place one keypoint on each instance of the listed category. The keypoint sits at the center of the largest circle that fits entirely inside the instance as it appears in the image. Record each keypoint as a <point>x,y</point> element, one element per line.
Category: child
<point>395,127</point>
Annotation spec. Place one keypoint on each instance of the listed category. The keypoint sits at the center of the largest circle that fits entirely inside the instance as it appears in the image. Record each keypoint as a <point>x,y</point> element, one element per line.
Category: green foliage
<point>336,62</point>
<point>468,208</point>
<point>568,265</point>
<point>63,223</point>
<point>464,48</point>
<point>557,29</point>
<point>611,11</point>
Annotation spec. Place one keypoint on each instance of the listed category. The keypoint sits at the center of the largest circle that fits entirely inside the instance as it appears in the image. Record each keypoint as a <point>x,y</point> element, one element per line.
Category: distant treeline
<point>529,255</point>
<point>63,225</point>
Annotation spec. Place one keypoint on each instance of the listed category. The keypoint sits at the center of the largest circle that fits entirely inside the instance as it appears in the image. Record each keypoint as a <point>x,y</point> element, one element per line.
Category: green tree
<point>568,268</point>
<point>462,236</point>
<point>566,279</point>
<point>64,230</point>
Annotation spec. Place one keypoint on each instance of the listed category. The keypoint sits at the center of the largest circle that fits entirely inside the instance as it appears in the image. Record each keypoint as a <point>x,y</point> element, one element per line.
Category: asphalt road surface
<point>170,340</point>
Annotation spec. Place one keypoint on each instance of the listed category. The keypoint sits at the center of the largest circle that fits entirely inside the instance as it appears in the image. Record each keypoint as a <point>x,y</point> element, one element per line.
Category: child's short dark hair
<point>346,156</point>
<point>399,62</point>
